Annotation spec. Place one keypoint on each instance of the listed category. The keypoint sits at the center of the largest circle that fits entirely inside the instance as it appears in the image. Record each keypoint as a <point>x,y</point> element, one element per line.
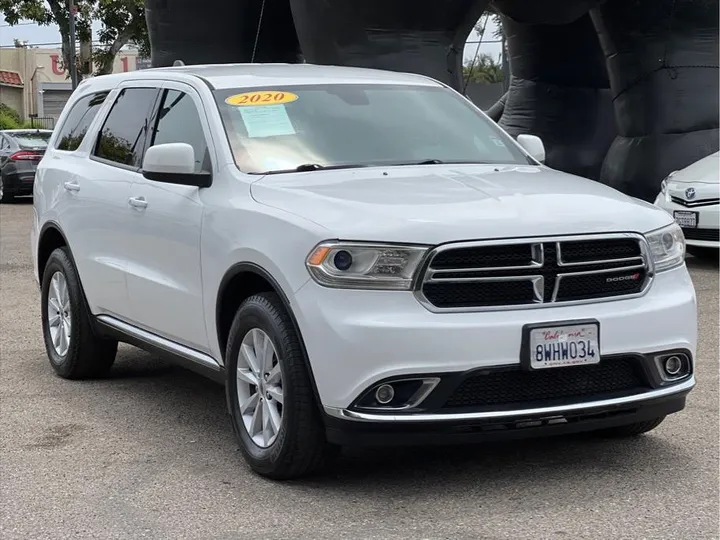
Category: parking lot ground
<point>149,453</point>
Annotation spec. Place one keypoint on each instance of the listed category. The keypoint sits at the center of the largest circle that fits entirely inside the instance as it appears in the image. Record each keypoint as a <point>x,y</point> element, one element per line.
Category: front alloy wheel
<point>259,388</point>
<point>270,395</point>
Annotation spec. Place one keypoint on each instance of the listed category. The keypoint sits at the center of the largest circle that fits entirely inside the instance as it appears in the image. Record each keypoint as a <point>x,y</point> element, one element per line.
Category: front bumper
<point>354,429</point>
<point>355,339</point>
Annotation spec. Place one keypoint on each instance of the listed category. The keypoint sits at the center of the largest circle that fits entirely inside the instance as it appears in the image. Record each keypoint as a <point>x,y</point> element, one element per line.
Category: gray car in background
<point>20,152</point>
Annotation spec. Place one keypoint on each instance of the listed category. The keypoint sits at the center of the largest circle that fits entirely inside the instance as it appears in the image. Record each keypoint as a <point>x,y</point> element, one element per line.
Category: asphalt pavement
<point>149,453</point>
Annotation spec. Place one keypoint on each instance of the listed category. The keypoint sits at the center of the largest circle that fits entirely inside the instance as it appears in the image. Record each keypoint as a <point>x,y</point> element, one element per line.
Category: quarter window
<point>179,121</point>
<point>123,134</point>
<point>78,121</point>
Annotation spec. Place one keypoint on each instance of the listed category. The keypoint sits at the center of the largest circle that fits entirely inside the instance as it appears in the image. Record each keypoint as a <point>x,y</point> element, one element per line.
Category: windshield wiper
<point>430,162</point>
<point>305,167</point>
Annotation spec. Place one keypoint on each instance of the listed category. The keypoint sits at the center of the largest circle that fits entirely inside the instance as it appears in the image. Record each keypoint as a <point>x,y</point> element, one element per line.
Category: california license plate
<point>688,220</point>
<point>564,344</point>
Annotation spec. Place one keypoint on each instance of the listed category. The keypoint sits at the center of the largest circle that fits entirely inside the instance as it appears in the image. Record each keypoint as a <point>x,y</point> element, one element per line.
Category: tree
<point>484,69</point>
<point>123,23</point>
<point>484,21</point>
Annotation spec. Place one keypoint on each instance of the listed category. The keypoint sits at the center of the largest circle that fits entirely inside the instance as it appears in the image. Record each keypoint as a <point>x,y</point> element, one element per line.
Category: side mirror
<point>174,163</point>
<point>533,145</point>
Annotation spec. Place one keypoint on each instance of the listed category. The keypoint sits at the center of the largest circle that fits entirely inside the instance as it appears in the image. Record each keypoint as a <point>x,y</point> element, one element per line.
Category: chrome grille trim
<point>427,275</point>
<point>696,203</point>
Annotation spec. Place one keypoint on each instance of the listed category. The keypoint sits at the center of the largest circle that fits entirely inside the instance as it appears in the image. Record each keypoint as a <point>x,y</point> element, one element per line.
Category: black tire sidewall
<point>59,261</point>
<point>254,314</point>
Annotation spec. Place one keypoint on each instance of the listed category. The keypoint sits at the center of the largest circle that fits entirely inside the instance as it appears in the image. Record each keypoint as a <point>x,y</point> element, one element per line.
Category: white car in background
<point>692,196</point>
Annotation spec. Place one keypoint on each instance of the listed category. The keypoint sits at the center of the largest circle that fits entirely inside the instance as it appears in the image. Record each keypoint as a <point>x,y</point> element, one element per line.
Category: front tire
<point>270,395</point>
<point>75,352</point>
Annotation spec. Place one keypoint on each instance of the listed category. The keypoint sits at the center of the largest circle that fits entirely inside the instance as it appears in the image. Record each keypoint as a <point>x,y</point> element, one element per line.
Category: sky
<point>49,36</point>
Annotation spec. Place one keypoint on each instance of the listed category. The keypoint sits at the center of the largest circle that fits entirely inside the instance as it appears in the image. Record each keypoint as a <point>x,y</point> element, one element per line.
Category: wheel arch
<point>50,238</point>
<point>241,281</point>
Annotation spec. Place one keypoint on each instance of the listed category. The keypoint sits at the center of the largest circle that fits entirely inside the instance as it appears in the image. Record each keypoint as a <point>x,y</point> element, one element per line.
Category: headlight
<point>667,247</point>
<point>365,266</point>
<point>664,183</point>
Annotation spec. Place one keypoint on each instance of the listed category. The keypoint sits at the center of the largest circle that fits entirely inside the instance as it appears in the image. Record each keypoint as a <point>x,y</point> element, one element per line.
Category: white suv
<point>362,257</point>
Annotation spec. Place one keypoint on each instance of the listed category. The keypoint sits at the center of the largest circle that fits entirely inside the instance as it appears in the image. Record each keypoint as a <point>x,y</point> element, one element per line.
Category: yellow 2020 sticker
<point>263,97</point>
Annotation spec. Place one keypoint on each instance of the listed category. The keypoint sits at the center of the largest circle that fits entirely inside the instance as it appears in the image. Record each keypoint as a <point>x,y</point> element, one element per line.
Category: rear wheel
<point>75,352</point>
<point>633,430</point>
<point>270,395</point>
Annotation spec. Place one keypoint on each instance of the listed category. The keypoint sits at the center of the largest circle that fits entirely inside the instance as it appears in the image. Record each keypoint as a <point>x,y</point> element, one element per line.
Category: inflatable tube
<point>220,31</point>
<point>662,56</point>
<point>495,112</point>
<point>565,101</point>
<point>418,36</point>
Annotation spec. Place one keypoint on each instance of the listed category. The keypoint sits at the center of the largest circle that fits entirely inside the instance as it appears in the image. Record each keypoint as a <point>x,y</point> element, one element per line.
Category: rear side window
<point>122,137</point>
<point>78,121</point>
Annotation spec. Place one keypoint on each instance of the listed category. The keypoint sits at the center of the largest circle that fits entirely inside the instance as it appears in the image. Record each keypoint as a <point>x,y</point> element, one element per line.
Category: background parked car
<point>692,196</point>
<point>20,152</point>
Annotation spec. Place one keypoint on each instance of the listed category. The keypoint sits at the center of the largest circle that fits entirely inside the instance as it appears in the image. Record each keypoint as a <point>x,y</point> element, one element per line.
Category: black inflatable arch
<point>621,91</point>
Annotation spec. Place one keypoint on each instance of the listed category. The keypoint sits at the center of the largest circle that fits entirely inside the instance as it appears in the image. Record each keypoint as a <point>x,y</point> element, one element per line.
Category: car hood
<point>439,203</point>
<point>704,171</point>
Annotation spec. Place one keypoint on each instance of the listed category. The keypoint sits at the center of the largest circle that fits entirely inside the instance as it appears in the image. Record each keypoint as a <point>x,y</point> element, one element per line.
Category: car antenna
<point>178,63</point>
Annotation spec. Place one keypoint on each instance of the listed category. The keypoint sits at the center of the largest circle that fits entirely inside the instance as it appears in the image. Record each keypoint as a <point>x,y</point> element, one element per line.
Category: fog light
<point>673,366</point>
<point>384,394</point>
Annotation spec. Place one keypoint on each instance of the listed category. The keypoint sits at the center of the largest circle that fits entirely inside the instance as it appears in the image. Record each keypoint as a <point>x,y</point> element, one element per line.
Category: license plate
<point>561,345</point>
<point>687,220</point>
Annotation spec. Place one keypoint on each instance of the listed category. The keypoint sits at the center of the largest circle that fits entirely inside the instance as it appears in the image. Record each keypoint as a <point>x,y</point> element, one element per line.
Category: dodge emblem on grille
<point>690,193</point>
<point>632,277</point>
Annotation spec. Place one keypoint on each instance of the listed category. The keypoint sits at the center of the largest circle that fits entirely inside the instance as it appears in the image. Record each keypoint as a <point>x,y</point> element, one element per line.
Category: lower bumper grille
<point>708,235</point>
<point>512,387</point>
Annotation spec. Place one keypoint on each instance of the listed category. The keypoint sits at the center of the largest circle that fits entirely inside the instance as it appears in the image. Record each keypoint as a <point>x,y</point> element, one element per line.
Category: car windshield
<point>31,139</point>
<point>289,128</point>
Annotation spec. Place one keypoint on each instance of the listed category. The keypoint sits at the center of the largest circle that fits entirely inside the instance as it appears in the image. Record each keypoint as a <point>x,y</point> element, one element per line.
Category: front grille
<point>612,377</point>
<point>481,275</point>
<point>696,203</point>
<point>708,235</point>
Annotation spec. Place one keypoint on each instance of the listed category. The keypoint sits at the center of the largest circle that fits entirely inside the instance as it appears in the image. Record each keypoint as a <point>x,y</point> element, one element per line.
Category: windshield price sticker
<point>260,98</point>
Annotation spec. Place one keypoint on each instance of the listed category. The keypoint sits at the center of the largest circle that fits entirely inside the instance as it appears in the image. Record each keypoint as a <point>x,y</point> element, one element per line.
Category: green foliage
<point>8,111</point>
<point>485,70</point>
<point>7,121</point>
<point>123,23</point>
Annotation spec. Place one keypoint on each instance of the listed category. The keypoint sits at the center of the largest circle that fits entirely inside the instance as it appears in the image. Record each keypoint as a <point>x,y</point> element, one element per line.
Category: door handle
<point>71,186</point>
<point>137,202</point>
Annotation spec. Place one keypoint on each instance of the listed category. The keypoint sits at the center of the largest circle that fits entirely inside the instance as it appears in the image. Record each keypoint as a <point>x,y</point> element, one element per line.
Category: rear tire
<point>286,438</point>
<point>633,430</point>
<point>74,351</point>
